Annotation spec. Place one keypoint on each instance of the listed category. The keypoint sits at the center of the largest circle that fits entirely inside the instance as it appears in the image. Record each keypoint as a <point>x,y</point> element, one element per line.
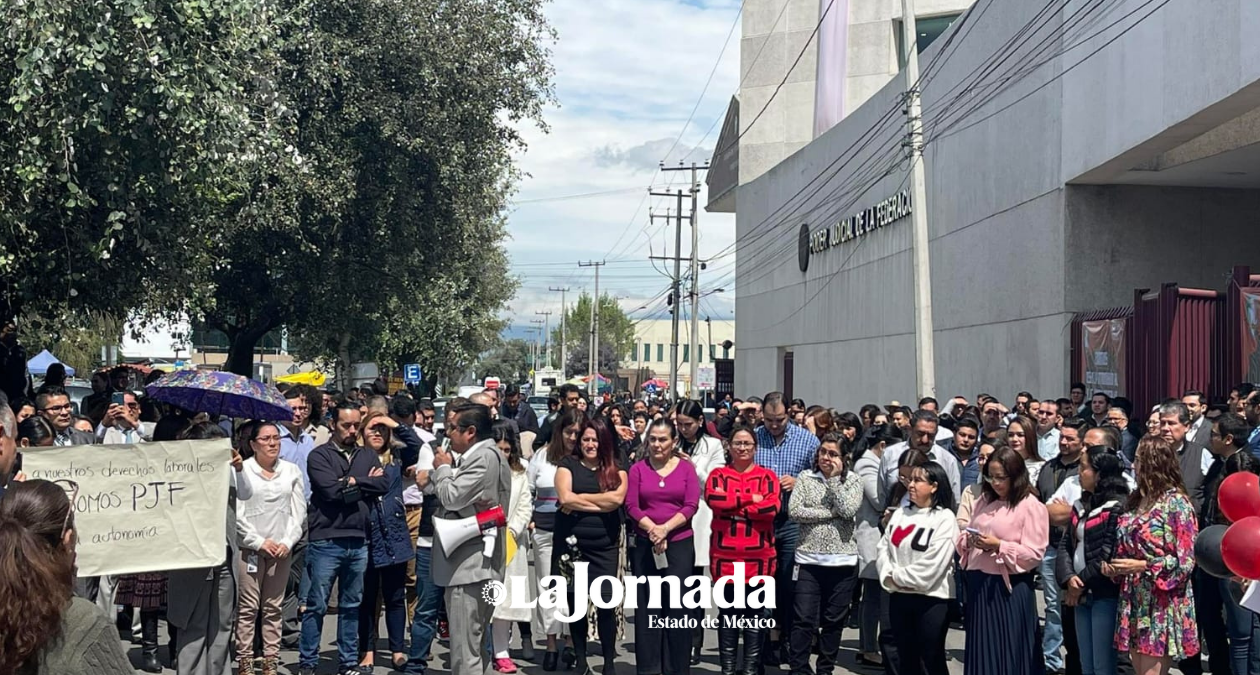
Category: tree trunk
<point>240,358</point>
<point>343,362</point>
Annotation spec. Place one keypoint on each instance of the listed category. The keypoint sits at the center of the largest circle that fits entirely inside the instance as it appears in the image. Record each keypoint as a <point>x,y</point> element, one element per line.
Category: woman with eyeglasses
<point>44,628</point>
<point>1000,551</point>
<point>824,504</point>
<point>1087,543</point>
<point>744,498</point>
<point>1154,562</point>
<point>541,478</point>
<point>705,453</point>
<point>972,493</point>
<point>916,558</point>
<point>270,522</point>
<point>389,541</point>
<point>866,465</point>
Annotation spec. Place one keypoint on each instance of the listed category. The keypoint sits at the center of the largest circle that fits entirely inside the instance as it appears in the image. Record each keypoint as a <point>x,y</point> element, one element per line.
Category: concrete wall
<point>1007,270</point>
<point>1125,237</point>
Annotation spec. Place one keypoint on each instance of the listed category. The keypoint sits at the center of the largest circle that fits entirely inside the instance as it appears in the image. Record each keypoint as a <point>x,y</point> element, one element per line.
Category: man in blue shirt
<point>787,450</point>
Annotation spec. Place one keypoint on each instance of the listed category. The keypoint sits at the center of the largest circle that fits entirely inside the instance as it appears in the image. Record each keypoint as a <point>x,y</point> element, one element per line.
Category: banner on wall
<point>1103,355</point>
<point>148,507</point>
<point>1251,333</point>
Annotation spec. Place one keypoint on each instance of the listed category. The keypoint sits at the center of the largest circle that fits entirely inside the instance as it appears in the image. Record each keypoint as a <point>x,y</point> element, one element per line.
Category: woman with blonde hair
<point>389,540</point>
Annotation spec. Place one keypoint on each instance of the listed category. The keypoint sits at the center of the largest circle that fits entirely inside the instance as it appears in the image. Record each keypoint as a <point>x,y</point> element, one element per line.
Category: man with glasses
<point>53,404</point>
<point>787,450</point>
<point>1048,421</point>
<point>122,425</point>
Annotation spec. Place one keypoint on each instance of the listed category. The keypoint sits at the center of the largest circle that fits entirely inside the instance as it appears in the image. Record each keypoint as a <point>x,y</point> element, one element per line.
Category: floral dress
<point>1156,611</point>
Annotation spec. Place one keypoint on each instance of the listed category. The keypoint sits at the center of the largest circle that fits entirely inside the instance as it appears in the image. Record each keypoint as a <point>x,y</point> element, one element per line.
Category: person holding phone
<point>1000,551</point>
<point>916,558</point>
<point>121,424</point>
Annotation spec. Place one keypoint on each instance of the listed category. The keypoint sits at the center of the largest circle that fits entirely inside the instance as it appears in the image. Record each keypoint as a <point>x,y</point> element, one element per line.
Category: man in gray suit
<point>474,479</point>
<point>53,404</point>
<point>1200,432</point>
<point>1195,459</point>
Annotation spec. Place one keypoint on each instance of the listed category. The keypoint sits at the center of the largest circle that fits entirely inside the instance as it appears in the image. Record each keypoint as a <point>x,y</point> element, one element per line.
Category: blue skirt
<point>1001,626</point>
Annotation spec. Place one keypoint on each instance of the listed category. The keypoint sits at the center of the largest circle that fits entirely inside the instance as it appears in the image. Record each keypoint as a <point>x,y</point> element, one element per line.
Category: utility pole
<point>925,357</point>
<point>674,298</point>
<point>592,387</point>
<point>546,335</point>
<point>564,350</point>
<point>538,327</point>
<point>695,273</point>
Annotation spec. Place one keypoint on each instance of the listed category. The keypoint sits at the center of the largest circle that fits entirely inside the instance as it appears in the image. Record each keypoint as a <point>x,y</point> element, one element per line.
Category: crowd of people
<point>905,521</point>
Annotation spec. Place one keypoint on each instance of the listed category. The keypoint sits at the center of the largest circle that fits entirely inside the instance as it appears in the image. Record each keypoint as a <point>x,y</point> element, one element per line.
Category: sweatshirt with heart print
<point>916,553</point>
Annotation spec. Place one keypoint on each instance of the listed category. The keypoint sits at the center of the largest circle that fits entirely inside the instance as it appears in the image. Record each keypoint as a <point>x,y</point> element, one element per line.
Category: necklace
<point>661,483</point>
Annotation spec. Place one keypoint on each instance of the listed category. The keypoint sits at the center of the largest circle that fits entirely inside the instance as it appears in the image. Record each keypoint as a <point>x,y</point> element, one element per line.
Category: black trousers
<point>920,623</point>
<point>822,598</point>
<point>659,650</point>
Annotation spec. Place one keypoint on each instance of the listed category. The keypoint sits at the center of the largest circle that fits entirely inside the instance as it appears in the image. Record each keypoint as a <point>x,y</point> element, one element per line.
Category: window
<point>712,353</point>
<point>647,352</point>
<point>929,27</point>
<point>660,351</point>
<point>686,353</point>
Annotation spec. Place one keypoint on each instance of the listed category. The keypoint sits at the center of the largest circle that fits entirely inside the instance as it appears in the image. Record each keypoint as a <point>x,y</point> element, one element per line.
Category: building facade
<point>1071,157</point>
<point>652,339</point>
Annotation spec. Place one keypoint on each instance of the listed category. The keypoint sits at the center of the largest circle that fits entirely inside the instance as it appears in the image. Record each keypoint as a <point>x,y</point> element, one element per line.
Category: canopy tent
<point>313,378</point>
<point>38,365</point>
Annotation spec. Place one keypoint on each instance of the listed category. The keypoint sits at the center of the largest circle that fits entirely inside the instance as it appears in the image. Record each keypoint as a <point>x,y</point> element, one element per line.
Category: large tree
<point>125,124</point>
<point>510,361</point>
<point>385,243</point>
<point>616,331</point>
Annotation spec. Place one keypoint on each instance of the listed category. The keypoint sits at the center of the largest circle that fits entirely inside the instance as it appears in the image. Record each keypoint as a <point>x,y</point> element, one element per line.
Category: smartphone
<point>972,530</point>
<point>119,398</point>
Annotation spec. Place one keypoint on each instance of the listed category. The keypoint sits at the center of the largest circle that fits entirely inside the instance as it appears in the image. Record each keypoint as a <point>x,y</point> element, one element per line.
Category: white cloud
<point>628,74</point>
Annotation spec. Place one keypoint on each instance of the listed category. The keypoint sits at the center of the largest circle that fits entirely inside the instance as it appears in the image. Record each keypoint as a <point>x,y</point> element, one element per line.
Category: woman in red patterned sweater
<point>744,499</point>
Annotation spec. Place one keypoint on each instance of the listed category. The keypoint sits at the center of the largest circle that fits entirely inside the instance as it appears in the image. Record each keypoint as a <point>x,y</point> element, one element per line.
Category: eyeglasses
<point>56,408</point>
<point>995,479</point>
<point>744,444</point>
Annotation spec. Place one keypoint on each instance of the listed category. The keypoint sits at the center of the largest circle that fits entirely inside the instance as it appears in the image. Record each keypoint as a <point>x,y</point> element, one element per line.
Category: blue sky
<point>628,74</point>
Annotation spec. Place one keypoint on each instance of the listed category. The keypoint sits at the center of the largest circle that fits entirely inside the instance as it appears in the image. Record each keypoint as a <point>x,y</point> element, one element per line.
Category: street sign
<point>492,383</point>
<point>706,378</point>
<point>411,373</point>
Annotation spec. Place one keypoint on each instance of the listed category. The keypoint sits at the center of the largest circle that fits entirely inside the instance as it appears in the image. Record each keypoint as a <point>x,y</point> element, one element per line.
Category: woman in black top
<point>591,488</point>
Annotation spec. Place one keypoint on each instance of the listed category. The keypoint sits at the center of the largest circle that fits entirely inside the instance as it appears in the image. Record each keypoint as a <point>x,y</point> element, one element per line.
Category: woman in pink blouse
<point>999,552</point>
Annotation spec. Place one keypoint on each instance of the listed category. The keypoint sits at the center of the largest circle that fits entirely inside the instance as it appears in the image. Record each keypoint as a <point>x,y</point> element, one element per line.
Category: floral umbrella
<point>217,392</point>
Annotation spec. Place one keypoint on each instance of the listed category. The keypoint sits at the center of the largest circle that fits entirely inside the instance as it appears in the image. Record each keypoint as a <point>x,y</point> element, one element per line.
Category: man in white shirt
<point>1048,430</point>
<point>1200,431</point>
<point>923,426</point>
<point>122,423</point>
<point>1060,503</point>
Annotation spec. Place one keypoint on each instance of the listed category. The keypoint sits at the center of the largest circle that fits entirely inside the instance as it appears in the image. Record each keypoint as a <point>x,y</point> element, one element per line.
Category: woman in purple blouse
<point>661,497</point>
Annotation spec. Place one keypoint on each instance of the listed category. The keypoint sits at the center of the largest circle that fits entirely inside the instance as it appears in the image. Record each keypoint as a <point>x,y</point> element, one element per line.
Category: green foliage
<point>123,125</point>
<point>75,338</point>
<point>510,361</point>
<point>386,243</point>
<point>616,330</point>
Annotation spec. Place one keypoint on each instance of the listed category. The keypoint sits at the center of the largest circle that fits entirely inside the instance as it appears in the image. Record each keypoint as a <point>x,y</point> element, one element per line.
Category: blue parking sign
<point>411,373</point>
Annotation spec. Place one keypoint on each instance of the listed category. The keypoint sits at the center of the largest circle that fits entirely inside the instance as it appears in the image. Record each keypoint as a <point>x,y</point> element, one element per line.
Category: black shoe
<point>550,661</point>
<point>150,664</point>
<point>306,670</point>
<point>610,667</point>
<point>770,657</point>
<point>569,657</point>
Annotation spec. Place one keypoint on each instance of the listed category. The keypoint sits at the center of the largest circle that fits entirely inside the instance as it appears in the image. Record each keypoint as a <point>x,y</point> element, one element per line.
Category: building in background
<point>856,50</point>
<point>1074,156</point>
<point>652,338</point>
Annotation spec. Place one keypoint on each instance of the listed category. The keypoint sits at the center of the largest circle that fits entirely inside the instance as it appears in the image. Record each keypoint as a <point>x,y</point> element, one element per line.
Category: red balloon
<point>1239,496</point>
<point>1241,548</point>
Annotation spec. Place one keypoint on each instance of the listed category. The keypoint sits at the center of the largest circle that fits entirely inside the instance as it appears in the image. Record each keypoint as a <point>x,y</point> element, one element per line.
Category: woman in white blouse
<point>270,523</point>
<point>706,454</point>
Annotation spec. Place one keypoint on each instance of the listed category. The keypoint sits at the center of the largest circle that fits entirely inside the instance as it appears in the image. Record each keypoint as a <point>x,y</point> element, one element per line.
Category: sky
<point>628,73</point>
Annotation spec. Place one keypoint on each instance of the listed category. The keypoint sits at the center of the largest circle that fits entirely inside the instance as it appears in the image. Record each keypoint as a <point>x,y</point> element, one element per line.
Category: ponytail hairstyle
<point>36,571</point>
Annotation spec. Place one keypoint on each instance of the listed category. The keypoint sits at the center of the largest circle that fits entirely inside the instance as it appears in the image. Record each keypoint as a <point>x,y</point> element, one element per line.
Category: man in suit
<point>1195,459</point>
<point>1200,432</point>
<point>483,481</point>
<point>53,404</point>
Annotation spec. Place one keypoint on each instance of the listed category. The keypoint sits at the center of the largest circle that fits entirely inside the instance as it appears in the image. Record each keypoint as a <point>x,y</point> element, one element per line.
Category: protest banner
<point>148,507</point>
